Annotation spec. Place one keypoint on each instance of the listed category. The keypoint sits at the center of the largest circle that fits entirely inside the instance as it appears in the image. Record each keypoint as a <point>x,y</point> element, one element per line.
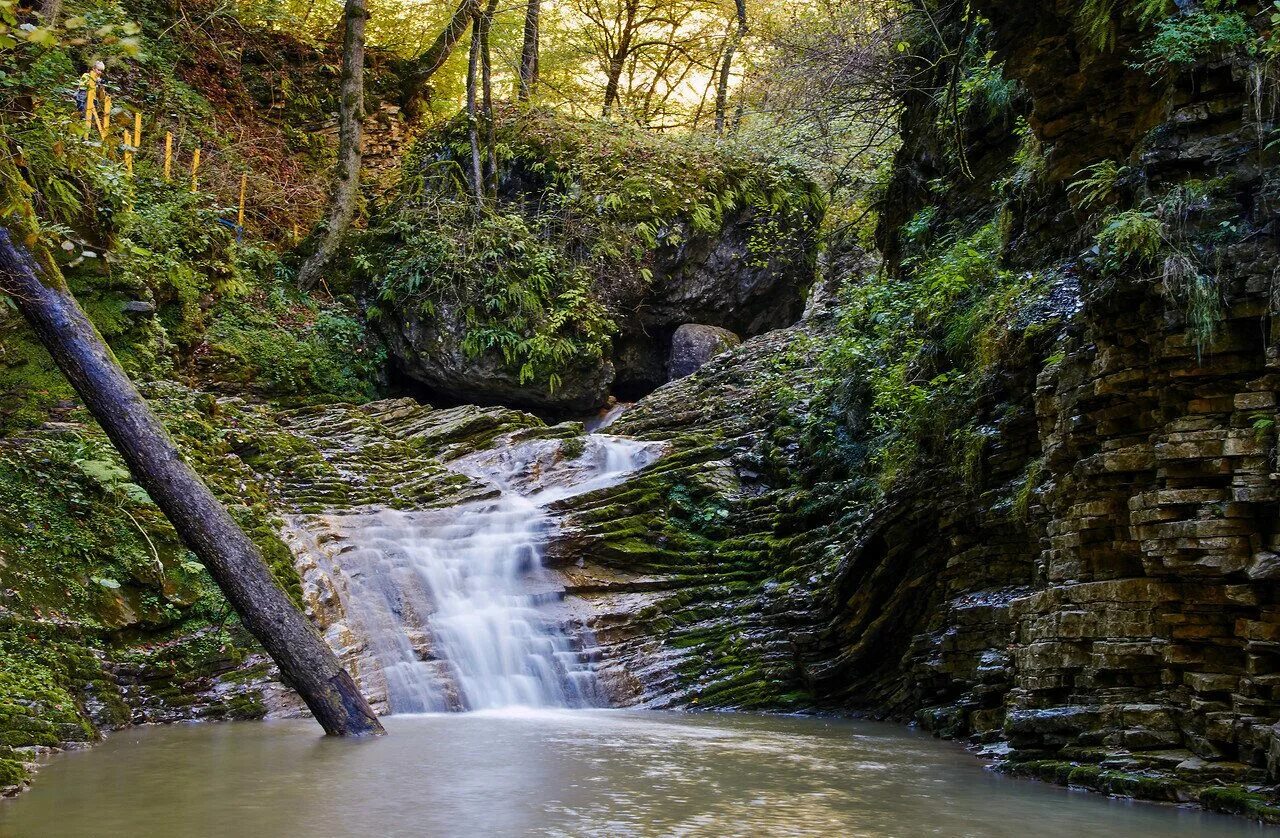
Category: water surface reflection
<point>556,773</point>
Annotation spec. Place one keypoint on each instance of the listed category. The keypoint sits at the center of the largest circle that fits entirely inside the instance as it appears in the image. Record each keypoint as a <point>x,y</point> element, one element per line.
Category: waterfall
<point>455,605</point>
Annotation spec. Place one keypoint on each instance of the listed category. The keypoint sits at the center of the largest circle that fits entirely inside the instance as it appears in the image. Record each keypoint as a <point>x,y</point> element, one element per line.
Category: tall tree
<point>485,26</point>
<point>205,526</point>
<point>529,51</point>
<point>346,184</point>
<point>473,121</point>
<point>726,66</point>
<point>620,37</point>
<point>629,39</point>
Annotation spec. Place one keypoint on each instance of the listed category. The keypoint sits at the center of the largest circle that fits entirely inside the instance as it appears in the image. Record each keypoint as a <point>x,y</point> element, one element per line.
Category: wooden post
<point>195,167</point>
<point>168,155</point>
<point>104,123</point>
<point>244,183</point>
<point>132,143</point>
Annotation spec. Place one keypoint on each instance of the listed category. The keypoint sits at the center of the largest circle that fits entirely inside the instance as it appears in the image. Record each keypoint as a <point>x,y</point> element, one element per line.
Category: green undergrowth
<point>83,544</point>
<point>540,274</point>
<point>1178,36</point>
<point>291,347</point>
<point>155,264</point>
<point>914,354</point>
<point>91,569</point>
<point>1173,236</point>
<point>47,679</point>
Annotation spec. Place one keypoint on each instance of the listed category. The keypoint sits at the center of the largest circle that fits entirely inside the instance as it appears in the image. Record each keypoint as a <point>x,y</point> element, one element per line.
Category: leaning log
<point>233,560</point>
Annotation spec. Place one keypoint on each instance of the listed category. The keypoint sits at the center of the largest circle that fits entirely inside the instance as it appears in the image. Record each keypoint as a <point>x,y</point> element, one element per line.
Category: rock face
<point>1098,605</point>
<point>430,352</point>
<point>711,280</point>
<point>694,344</point>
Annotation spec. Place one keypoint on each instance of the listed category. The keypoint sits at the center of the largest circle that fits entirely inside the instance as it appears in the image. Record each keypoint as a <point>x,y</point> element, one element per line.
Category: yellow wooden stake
<point>104,123</point>
<point>134,142</point>
<point>168,155</point>
<point>244,183</point>
<point>195,167</point>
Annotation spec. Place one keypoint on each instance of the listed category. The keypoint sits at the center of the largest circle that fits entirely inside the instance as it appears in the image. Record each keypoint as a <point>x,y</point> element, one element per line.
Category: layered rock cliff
<point>1078,570</point>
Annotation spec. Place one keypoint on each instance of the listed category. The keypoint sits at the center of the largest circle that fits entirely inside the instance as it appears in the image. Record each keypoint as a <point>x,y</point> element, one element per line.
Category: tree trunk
<point>726,66</point>
<point>346,185</point>
<point>618,60</point>
<point>473,122</point>
<point>486,86</point>
<point>50,10</point>
<point>234,561</point>
<point>614,78</point>
<point>426,65</point>
<point>529,51</point>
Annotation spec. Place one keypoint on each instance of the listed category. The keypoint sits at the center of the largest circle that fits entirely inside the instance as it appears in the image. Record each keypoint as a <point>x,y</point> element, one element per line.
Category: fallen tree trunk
<point>204,525</point>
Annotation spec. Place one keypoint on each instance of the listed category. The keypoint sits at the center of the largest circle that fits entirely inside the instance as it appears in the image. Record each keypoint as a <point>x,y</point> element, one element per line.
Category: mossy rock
<point>1238,800</point>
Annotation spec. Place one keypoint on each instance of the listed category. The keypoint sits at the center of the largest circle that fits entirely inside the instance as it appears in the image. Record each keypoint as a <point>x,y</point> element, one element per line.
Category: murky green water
<point>561,773</point>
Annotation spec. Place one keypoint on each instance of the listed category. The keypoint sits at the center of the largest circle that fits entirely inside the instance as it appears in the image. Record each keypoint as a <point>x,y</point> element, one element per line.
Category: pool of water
<point>513,772</point>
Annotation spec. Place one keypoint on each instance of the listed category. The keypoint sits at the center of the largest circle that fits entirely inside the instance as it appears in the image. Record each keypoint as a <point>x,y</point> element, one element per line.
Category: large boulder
<point>600,245</point>
<point>694,344</point>
<point>430,352</point>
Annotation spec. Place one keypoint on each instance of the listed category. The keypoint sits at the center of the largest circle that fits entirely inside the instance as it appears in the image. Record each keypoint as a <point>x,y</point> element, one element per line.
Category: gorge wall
<point>1092,594</point>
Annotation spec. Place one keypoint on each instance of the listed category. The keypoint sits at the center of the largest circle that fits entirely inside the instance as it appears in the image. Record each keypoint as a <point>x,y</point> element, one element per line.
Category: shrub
<point>1097,184</point>
<point>1189,39</point>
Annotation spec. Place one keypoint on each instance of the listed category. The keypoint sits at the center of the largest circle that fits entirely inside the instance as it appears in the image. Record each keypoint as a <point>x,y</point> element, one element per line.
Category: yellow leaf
<point>42,36</point>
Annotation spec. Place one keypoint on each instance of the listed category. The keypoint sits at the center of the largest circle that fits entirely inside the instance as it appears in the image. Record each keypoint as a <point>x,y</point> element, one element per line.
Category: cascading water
<point>455,605</point>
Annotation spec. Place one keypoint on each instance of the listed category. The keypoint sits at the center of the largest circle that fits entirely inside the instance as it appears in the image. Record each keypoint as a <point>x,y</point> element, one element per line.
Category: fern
<point>1131,236</point>
<point>1097,183</point>
<point>1098,21</point>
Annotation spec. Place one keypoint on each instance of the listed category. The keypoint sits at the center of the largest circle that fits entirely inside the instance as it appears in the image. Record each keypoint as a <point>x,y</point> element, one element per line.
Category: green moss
<point>1085,775</point>
<point>573,447</point>
<point>12,772</point>
<point>1238,800</point>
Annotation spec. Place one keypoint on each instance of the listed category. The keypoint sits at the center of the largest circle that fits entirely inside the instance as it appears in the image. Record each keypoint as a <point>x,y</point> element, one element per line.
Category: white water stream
<point>455,605</point>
